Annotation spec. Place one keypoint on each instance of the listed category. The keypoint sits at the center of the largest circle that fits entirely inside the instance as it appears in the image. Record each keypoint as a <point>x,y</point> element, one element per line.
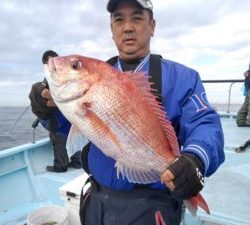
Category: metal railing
<point>232,81</point>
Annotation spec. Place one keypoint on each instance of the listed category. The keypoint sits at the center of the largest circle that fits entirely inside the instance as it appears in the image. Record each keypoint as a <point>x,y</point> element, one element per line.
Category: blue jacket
<point>60,124</point>
<point>197,125</point>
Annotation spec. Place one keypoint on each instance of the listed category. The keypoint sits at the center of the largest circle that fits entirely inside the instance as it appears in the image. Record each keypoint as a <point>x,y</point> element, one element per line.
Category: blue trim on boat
<point>25,147</point>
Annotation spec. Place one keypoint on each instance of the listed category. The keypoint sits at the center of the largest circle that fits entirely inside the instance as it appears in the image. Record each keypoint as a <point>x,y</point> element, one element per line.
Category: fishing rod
<point>18,119</point>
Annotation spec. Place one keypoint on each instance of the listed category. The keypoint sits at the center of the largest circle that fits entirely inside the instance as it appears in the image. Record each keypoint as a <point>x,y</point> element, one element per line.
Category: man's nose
<point>128,27</point>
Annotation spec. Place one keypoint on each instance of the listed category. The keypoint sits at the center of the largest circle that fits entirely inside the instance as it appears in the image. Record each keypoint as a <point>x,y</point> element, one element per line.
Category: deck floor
<point>228,190</point>
<point>234,135</point>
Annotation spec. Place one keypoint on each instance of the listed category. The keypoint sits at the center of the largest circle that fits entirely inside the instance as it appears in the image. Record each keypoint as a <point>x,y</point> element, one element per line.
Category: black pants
<point>61,158</point>
<point>134,207</point>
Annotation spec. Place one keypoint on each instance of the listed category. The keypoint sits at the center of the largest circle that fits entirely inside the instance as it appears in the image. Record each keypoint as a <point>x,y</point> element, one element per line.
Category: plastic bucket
<point>48,215</point>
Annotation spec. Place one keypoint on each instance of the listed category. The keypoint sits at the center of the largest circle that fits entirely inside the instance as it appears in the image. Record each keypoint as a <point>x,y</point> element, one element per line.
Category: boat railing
<point>232,82</point>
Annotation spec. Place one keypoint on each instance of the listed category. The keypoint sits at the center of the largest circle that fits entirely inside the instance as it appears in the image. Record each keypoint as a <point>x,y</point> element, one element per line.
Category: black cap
<point>47,55</point>
<point>146,4</point>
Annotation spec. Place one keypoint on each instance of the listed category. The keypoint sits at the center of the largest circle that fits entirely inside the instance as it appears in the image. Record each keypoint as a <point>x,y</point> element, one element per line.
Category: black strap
<point>155,76</point>
<point>112,61</point>
<point>84,158</point>
<point>84,197</point>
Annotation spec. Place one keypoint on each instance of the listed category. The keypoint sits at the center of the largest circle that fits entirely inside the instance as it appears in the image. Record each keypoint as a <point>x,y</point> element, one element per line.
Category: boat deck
<point>226,192</point>
<point>233,135</point>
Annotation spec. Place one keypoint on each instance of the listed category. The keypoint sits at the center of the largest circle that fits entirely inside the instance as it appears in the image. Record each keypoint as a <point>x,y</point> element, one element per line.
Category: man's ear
<point>111,28</point>
<point>153,24</point>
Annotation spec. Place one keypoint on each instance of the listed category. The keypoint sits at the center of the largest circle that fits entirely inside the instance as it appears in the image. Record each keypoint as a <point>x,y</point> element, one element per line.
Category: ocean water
<point>22,132</point>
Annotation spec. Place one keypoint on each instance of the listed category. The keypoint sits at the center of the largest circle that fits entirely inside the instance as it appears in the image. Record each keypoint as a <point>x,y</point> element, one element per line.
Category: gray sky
<point>212,37</point>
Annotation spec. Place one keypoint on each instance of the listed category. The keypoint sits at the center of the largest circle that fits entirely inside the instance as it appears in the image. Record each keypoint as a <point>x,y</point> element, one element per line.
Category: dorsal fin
<point>140,80</point>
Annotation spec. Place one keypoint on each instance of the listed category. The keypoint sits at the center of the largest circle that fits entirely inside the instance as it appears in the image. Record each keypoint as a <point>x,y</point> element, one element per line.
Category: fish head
<point>71,77</point>
<point>65,69</point>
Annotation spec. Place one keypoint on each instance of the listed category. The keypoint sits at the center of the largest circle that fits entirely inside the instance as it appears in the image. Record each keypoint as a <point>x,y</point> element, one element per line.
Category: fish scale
<point>132,142</point>
<point>126,133</point>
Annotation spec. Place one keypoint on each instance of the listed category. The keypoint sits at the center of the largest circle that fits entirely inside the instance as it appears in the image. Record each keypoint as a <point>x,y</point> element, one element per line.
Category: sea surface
<point>22,132</point>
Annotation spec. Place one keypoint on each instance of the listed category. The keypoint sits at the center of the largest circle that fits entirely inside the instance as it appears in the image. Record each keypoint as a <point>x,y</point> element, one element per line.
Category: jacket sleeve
<point>45,123</point>
<point>200,128</point>
<point>62,125</point>
<point>56,123</point>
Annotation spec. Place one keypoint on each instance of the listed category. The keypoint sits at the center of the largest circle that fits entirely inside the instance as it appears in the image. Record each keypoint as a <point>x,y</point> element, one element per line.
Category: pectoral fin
<point>75,141</point>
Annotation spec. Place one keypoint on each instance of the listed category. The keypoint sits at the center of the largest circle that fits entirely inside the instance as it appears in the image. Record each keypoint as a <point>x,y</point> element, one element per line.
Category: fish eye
<point>76,65</point>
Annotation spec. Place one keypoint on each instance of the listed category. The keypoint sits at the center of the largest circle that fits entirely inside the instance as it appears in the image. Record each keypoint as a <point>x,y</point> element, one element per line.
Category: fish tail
<point>193,203</point>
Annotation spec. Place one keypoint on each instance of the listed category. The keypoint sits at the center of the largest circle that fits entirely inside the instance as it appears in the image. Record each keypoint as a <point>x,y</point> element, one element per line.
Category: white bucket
<point>48,215</point>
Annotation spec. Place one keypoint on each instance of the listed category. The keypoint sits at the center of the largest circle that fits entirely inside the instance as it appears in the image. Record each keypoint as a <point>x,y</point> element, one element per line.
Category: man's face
<point>132,29</point>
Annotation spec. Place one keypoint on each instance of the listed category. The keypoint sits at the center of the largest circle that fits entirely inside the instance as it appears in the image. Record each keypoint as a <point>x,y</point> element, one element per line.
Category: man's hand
<point>41,101</point>
<point>46,94</point>
<point>184,176</point>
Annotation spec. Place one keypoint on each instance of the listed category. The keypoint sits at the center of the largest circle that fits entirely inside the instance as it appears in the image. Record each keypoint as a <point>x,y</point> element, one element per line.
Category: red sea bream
<point>119,114</point>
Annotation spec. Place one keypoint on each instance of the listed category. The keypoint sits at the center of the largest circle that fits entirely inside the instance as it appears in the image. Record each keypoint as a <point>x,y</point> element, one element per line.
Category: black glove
<point>188,173</point>
<point>38,103</point>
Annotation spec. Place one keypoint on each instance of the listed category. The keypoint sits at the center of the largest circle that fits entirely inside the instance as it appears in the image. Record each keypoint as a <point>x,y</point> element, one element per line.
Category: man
<point>197,125</point>
<point>243,115</point>
<point>53,120</point>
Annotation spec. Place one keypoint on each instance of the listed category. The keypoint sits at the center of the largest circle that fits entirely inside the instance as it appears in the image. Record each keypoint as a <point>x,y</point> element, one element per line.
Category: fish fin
<point>202,203</point>
<point>159,219</point>
<point>191,206</point>
<point>136,175</point>
<point>140,80</point>
<point>75,141</point>
<point>193,203</point>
